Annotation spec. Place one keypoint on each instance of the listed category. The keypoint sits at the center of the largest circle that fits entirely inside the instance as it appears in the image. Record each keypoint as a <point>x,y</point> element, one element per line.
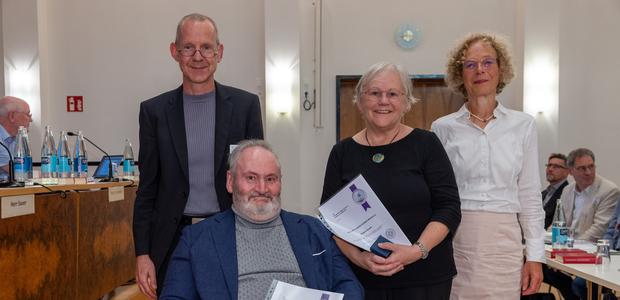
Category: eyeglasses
<point>189,51</point>
<point>583,169</point>
<point>377,95</point>
<point>555,166</point>
<point>485,64</point>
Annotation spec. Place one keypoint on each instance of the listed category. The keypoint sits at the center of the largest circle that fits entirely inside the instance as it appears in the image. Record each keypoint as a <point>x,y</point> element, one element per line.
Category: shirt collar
<point>3,133</point>
<point>557,185</point>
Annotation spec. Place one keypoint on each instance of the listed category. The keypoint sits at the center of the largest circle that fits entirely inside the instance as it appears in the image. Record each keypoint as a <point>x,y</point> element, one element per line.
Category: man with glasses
<point>185,137</point>
<point>556,172</point>
<point>589,202</point>
<point>14,112</point>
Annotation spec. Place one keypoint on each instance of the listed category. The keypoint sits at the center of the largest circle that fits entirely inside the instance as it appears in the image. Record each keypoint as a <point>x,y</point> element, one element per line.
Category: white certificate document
<point>285,291</point>
<point>356,215</point>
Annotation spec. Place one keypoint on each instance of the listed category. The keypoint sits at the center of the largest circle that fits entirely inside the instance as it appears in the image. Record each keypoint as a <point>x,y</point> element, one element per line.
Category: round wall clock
<point>407,36</point>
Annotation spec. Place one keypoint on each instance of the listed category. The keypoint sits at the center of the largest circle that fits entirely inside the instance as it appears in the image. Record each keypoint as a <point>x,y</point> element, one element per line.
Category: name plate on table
<point>13,206</point>
<point>116,193</point>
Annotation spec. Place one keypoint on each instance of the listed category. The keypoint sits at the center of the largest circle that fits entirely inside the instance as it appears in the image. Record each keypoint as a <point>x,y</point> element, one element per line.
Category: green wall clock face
<point>407,36</point>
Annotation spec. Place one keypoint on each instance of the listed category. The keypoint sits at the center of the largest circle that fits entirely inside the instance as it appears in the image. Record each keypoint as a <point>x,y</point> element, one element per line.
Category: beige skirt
<point>489,256</point>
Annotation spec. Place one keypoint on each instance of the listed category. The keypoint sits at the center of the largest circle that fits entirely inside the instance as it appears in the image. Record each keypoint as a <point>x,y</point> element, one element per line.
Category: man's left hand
<point>531,277</point>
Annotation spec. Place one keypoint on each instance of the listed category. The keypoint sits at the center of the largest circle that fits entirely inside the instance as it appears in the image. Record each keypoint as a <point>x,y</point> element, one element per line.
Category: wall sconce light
<point>281,89</point>
<point>540,88</point>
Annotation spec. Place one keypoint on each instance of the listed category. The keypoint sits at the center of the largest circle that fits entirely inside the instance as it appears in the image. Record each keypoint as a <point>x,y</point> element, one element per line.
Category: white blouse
<point>496,168</point>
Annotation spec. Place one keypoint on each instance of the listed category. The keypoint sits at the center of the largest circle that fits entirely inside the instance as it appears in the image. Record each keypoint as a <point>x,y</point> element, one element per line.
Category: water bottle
<point>559,230</point>
<point>64,157</point>
<point>27,154</point>
<point>80,159</point>
<point>128,164</point>
<point>48,155</point>
<point>19,158</point>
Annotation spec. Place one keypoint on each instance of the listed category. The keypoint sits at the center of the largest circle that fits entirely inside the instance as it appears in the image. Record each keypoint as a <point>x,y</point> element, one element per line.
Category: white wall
<point>589,83</point>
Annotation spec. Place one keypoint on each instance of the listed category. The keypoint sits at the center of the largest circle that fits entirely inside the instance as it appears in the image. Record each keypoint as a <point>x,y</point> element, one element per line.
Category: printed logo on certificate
<point>356,215</point>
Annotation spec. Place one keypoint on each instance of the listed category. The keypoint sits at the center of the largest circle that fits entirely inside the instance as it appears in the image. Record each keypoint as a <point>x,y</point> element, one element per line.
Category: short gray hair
<point>579,152</point>
<point>379,68</point>
<point>233,158</point>
<point>195,17</point>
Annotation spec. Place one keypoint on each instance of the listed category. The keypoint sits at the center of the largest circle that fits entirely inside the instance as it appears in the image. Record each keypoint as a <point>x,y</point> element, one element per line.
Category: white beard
<point>255,211</point>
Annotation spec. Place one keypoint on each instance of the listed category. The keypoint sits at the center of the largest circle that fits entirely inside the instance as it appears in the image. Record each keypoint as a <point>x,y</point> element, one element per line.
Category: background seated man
<point>557,174</point>
<point>237,253</point>
<point>588,204</point>
<point>14,112</point>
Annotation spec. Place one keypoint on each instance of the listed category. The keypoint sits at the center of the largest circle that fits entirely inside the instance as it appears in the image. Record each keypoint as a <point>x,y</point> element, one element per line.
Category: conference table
<point>74,242</point>
<point>608,276</point>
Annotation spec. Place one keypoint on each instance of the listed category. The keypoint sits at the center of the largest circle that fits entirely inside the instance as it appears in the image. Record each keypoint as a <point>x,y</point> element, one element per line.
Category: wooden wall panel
<point>38,253</point>
<point>107,257</point>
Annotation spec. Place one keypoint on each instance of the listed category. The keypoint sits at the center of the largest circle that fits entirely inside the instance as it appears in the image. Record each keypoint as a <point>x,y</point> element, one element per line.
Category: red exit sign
<point>75,103</point>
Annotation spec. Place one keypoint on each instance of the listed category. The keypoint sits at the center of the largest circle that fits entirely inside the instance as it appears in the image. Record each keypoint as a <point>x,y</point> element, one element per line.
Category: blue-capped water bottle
<point>128,161</point>
<point>27,153</point>
<point>559,229</point>
<point>48,156</point>
<point>64,157</point>
<point>80,158</point>
<point>19,158</point>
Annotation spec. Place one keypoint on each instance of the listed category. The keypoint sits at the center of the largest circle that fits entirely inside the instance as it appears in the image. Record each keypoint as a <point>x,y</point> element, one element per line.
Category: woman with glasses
<point>494,154</point>
<point>409,171</point>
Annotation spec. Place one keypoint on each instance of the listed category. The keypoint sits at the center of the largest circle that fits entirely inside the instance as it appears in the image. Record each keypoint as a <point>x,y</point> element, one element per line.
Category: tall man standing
<point>185,137</point>
<point>556,172</point>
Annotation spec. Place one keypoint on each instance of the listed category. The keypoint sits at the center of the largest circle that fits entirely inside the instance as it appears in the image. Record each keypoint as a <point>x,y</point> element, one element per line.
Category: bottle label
<point>128,166</point>
<point>46,166</point>
<point>84,164</point>
<point>54,163</point>
<point>63,165</point>
<point>559,235</point>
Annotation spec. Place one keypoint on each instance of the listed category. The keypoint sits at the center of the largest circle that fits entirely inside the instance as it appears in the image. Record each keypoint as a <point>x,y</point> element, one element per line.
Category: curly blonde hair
<point>454,68</point>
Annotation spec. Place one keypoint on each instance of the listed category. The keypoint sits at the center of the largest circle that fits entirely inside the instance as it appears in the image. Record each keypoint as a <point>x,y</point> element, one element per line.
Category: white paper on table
<point>285,291</point>
<point>356,215</point>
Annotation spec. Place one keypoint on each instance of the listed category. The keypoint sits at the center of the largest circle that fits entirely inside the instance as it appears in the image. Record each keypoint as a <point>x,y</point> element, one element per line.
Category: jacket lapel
<point>223,113</point>
<point>176,127</point>
<point>298,236</point>
<point>223,231</point>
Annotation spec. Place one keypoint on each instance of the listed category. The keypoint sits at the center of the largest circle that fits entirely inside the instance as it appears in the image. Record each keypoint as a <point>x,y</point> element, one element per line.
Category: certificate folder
<point>356,215</point>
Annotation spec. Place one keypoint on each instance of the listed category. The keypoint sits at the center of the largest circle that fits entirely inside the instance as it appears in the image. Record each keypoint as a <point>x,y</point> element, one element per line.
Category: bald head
<point>14,112</point>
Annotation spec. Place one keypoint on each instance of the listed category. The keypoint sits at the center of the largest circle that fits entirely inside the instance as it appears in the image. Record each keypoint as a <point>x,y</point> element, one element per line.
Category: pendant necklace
<point>379,157</point>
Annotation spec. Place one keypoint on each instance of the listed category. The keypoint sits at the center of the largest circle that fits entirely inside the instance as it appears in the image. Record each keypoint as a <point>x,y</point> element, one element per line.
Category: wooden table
<point>78,247</point>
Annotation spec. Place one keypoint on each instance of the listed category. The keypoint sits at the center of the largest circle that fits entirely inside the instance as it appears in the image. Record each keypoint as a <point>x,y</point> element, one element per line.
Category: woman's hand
<point>377,264</point>
<point>402,254</point>
<point>400,257</point>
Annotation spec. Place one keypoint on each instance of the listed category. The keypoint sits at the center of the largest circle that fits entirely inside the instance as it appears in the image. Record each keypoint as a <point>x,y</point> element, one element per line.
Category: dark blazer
<point>204,264</point>
<point>164,185</point>
<point>550,206</point>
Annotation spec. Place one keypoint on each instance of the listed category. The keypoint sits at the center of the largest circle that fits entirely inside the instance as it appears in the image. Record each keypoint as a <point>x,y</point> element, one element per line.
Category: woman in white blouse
<point>493,151</point>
